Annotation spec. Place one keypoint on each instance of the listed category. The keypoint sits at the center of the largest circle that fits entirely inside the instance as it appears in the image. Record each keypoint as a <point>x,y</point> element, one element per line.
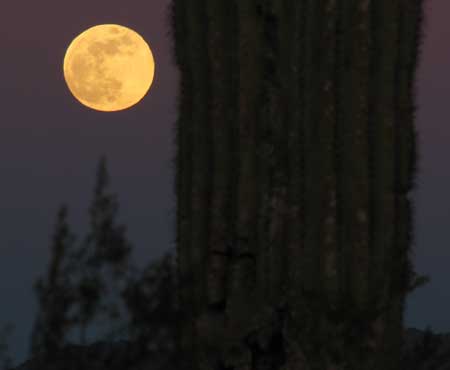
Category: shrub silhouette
<point>79,281</point>
<point>55,292</point>
<point>102,257</point>
<point>151,301</point>
<point>5,358</point>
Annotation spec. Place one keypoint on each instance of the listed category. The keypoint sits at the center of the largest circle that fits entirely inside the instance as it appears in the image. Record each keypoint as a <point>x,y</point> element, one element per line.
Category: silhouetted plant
<point>416,281</point>
<point>79,281</point>
<point>151,302</point>
<point>428,345</point>
<point>276,100</point>
<point>103,254</point>
<point>5,357</point>
<point>55,292</point>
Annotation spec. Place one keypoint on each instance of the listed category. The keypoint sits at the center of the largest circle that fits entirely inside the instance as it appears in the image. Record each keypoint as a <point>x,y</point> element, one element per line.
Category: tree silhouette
<point>5,358</point>
<point>104,254</point>
<point>79,281</point>
<point>151,300</point>
<point>428,345</point>
<point>55,292</point>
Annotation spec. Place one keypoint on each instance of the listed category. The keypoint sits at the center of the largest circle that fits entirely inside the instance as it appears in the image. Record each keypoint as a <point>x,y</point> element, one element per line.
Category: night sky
<point>50,146</point>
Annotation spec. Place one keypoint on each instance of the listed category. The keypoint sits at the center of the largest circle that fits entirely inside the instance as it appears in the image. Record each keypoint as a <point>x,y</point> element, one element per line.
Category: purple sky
<point>50,146</point>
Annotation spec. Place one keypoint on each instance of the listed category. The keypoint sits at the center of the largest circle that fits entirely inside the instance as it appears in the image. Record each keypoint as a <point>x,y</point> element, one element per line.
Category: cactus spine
<point>296,152</point>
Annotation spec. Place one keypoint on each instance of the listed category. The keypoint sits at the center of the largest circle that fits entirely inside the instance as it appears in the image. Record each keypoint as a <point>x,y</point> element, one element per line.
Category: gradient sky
<point>50,146</point>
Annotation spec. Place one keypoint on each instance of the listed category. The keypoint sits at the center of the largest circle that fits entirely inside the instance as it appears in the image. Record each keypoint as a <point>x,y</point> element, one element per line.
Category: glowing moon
<point>109,67</point>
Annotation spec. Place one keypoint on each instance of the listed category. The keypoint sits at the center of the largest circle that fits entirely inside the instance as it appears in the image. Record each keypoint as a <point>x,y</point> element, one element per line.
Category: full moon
<point>109,67</point>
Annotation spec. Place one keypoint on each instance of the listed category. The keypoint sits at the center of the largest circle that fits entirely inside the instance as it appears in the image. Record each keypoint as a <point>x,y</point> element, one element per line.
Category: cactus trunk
<point>296,154</point>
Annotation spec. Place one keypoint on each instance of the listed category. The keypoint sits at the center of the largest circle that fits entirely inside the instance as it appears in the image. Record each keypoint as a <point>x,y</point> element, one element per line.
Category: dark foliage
<point>80,285</point>
<point>5,358</point>
<point>151,302</point>
<point>55,292</point>
<point>103,257</point>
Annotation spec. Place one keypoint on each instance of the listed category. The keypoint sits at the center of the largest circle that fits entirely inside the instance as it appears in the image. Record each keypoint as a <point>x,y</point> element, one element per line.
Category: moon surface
<point>109,67</point>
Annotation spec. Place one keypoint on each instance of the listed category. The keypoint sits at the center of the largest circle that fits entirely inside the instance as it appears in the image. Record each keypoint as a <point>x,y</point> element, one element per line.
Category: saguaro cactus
<point>296,154</point>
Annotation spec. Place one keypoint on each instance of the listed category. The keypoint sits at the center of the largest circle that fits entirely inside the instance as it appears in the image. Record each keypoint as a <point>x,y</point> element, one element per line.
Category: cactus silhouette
<point>295,158</point>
